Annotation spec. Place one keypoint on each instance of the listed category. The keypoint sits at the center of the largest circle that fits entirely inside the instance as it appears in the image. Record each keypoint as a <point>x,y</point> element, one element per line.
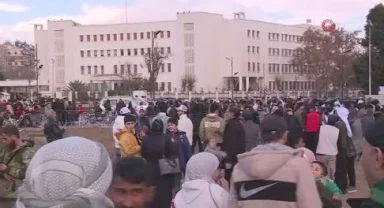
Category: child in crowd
<point>319,170</point>
<point>214,149</point>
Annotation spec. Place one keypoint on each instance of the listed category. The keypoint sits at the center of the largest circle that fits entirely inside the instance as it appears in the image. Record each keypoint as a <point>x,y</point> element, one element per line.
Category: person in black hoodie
<point>233,140</point>
<point>156,146</point>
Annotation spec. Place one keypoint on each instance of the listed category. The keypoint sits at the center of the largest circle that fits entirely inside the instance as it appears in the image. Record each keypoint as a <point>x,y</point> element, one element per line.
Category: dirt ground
<point>104,136</point>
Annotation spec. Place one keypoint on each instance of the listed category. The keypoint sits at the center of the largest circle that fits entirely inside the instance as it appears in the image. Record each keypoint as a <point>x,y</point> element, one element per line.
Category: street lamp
<point>154,34</point>
<point>38,67</point>
<point>232,74</point>
<point>369,57</point>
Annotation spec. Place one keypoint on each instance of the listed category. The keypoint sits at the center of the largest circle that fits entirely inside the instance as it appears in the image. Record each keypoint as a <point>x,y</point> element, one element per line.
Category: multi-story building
<point>252,54</point>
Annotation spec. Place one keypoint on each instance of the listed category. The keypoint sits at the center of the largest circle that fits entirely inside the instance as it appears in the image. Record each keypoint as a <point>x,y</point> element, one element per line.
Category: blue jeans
<point>117,154</point>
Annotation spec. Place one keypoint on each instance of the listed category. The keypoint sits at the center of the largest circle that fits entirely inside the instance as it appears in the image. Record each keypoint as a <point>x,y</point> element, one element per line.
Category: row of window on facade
<point>122,36</point>
<point>284,37</point>
<point>252,66</point>
<point>291,85</point>
<point>286,68</point>
<point>253,49</point>
<point>123,52</point>
<point>163,86</point>
<point>284,52</point>
<point>253,34</point>
<point>130,69</point>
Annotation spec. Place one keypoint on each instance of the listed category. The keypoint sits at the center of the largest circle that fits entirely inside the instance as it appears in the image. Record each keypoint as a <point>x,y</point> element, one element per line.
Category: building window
<point>101,38</point>
<point>95,38</point>
<point>168,50</point>
<point>121,36</point>
<point>249,66</point>
<point>162,68</point>
<point>81,53</point>
<point>258,67</point>
<point>141,35</point>
<point>102,53</point>
<point>135,52</point>
<point>129,52</point>
<point>121,52</point>
<point>95,53</point>
<point>253,66</point>
<point>89,70</point>
<point>142,51</point>
<point>253,49</point>
<point>135,68</point>
<point>88,53</point>
<point>249,49</point>
<point>95,70</point>
<point>115,52</point>
<point>115,69</point>
<point>248,33</point>
<point>169,86</point>
<point>162,34</point>
<point>108,37</point>
<point>148,35</point>
<point>81,38</point>
<point>102,69</point>
<point>115,37</point>
<point>162,50</point>
<point>121,69</point>
<point>128,36</point>
<point>108,52</point>
<point>82,70</point>
<point>168,34</point>
<point>135,36</point>
<point>253,33</point>
<point>169,67</point>
<point>162,86</point>
<point>129,69</point>
<point>88,38</point>
<point>257,34</point>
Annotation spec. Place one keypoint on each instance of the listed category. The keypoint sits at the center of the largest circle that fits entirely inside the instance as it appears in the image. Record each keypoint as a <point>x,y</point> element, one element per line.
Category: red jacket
<point>312,123</point>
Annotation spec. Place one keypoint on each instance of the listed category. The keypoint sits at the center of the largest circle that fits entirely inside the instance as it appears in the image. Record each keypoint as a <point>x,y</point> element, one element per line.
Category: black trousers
<point>196,140</point>
<point>341,170</point>
<point>311,139</point>
<point>351,170</point>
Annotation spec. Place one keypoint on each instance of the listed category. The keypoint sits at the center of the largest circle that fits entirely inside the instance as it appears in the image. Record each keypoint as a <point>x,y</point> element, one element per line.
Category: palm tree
<point>77,86</point>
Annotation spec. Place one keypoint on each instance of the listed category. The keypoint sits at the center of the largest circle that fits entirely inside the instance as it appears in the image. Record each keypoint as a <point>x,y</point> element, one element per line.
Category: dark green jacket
<point>17,161</point>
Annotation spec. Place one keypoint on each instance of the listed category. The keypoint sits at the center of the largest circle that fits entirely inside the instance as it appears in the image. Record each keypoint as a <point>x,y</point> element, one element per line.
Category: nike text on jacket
<point>273,175</point>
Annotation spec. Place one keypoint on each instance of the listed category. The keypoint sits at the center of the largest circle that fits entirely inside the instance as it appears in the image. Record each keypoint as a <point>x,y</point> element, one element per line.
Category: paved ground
<point>104,136</point>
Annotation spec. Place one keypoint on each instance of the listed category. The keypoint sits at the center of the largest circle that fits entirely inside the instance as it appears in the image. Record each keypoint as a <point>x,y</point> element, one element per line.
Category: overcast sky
<point>18,16</point>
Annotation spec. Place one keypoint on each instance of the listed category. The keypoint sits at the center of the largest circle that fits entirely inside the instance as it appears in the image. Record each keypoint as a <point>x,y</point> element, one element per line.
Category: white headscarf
<point>69,173</point>
<point>201,166</point>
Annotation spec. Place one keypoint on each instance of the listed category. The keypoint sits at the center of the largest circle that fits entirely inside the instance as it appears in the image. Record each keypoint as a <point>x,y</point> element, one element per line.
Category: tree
<point>154,62</point>
<point>132,82</point>
<point>361,64</point>
<point>326,59</point>
<point>80,87</point>
<point>188,82</point>
<point>279,83</point>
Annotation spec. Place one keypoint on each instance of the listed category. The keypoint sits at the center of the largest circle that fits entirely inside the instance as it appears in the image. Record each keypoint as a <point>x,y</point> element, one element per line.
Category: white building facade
<point>203,43</point>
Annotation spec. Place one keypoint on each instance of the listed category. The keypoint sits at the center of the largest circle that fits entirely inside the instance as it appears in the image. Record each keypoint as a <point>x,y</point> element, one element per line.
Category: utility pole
<point>37,72</point>
<point>231,84</point>
<point>369,57</point>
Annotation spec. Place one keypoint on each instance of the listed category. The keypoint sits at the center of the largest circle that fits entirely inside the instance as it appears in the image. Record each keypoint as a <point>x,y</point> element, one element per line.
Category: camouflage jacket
<point>17,162</point>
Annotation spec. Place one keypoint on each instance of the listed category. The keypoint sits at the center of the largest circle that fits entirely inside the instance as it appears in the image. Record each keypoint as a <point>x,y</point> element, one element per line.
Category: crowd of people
<point>215,154</point>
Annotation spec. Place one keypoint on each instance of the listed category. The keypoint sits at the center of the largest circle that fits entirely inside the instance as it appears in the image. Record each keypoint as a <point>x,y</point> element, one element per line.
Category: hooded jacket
<point>212,126</point>
<point>201,193</point>
<point>278,177</point>
<point>129,146</point>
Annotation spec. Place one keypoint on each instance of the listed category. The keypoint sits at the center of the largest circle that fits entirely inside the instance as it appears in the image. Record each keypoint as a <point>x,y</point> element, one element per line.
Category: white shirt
<point>185,124</point>
<point>117,126</point>
<point>328,137</point>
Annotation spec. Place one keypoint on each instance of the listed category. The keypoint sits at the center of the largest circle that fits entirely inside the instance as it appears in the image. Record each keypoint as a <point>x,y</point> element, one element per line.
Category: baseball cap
<point>182,108</point>
<point>375,134</point>
<point>273,124</point>
<point>124,111</point>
